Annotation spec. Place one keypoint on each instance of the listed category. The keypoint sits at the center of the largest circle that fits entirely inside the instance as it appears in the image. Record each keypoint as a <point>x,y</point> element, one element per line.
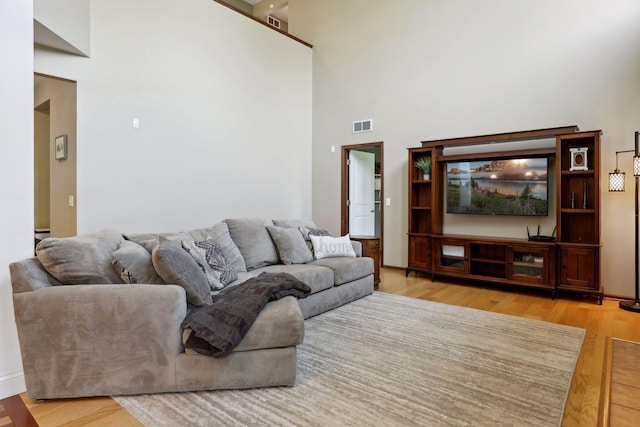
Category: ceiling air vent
<point>363,126</point>
<point>274,22</point>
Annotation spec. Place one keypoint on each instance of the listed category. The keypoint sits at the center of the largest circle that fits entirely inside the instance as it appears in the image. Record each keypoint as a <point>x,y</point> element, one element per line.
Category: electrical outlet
<point>70,201</point>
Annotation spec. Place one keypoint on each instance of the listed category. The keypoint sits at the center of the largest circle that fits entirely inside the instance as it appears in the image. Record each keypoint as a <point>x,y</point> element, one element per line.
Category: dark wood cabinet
<point>424,210</point>
<point>419,253</point>
<point>578,270</point>
<point>578,212</point>
<point>509,261</point>
<point>371,249</point>
<point>569,263</point>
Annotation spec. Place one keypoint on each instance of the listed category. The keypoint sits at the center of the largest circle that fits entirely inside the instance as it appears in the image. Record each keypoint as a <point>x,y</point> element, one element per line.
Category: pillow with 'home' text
<point>330,247</point>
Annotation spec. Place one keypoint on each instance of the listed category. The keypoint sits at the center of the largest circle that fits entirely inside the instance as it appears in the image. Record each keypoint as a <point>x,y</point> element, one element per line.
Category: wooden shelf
<point>528,264</point>
<point>578,229</point>
<point>490,260</point>
<point>568,172</point>
<point>577,245</point>
<point>577,211</point>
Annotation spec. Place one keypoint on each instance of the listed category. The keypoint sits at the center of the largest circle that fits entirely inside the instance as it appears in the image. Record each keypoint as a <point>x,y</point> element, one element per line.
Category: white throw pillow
<point>328,247</point>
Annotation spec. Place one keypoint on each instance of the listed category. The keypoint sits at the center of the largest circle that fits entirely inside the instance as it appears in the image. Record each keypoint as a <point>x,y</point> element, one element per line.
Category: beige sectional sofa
<point>95,315</point>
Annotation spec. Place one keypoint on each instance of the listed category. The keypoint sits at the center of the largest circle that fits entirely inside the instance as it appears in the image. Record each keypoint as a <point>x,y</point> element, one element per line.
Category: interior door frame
<point>344,191</point>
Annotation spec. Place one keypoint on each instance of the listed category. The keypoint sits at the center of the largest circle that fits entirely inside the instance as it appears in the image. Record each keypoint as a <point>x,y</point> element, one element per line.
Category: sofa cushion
<point>317,277</point>
<point>150,240</point>
<point>294,223</point>
<point>84,259</point>
<point>279,324</point>
<point>218,232</point>
<point>253,241</point>
<point>214,255</point>
<point>133,263</point>
<point>176,266</point>
<point>329,247</point>
<point>291,247</point>
<point>346,269</point>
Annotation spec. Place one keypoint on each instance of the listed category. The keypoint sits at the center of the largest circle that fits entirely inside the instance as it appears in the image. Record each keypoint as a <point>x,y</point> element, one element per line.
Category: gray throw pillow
<point>291,246</point>
<point>176,266</point>
<point>254,242</point>
<point>214,255</point>
<point>79,260</point>
<point>133,263</point>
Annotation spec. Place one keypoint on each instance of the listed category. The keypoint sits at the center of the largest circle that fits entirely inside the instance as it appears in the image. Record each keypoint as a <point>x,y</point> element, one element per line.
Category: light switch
<point>333,148</point>
<point>387,201</point>
<point>70,201</point>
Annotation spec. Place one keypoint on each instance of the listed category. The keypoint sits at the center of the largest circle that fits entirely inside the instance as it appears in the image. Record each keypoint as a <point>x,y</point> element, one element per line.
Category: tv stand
<point>515,262</point>
<point>568,263</point>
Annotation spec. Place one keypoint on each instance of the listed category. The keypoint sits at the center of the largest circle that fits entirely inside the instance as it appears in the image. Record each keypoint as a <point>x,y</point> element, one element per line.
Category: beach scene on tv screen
<point>498,187</point>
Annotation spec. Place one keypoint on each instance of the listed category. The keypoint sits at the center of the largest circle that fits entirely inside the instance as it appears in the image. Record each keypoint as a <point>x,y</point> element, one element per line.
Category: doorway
<point>55,148</point>
<point>362,192</point>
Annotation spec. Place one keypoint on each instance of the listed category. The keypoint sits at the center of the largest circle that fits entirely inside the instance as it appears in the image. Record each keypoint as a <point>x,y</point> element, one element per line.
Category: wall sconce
<point>616,184</point>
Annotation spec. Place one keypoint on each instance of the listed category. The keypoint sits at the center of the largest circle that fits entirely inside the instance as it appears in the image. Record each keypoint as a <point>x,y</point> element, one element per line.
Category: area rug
<point>389,360</point>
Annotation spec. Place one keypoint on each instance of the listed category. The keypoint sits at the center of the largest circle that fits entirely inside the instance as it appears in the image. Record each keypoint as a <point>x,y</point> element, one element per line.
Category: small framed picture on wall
<point>61,147</point>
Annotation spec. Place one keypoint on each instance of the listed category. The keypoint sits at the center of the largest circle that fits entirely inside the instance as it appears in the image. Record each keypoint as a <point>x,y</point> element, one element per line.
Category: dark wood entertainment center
<point>568,263</point>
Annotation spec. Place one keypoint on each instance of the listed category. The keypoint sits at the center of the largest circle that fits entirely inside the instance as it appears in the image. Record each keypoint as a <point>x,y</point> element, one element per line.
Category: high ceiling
<point>282,13</point>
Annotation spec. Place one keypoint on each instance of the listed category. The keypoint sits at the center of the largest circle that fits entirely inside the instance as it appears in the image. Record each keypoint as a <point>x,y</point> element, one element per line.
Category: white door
<point>361,193</point>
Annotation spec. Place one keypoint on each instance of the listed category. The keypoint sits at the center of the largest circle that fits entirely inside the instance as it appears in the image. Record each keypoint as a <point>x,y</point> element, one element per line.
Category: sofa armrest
<point>29,275</point>
<point>357,247</point>
<point>92,340</point>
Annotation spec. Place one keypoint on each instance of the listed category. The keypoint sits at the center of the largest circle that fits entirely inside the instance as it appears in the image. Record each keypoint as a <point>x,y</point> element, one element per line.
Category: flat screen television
<point>498,187</point>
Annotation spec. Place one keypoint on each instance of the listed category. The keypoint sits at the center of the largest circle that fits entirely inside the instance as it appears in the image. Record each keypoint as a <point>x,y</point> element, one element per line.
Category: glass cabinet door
<point>529,264</point>
<point>452,256</point>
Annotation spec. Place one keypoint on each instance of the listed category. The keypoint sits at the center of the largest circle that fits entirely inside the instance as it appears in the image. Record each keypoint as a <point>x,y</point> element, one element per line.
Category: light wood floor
<point>620,399</point>
<point>583,401</point>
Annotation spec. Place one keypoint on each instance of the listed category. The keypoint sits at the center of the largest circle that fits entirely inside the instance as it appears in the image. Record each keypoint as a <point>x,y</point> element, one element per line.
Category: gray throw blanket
<point>219,327</point>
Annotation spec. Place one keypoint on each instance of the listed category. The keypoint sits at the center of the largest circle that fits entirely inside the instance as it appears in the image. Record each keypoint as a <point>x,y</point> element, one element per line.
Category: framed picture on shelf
<point>579,159</point>
<point>61,147</point>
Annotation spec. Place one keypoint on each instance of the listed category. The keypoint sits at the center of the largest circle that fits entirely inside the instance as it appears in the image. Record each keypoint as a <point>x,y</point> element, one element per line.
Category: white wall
<point>434,69</point>
<point>67,19</point>
<point>16,173</point>
<point>224,106</point>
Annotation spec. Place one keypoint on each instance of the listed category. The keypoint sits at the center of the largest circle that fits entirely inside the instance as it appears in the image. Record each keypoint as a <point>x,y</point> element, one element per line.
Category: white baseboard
<point>12,383</point>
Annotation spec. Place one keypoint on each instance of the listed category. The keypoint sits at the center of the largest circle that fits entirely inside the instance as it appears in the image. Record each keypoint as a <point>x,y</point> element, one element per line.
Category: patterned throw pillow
<point>214,254</point>
<point>307,231</point>
<point>200,256</point>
